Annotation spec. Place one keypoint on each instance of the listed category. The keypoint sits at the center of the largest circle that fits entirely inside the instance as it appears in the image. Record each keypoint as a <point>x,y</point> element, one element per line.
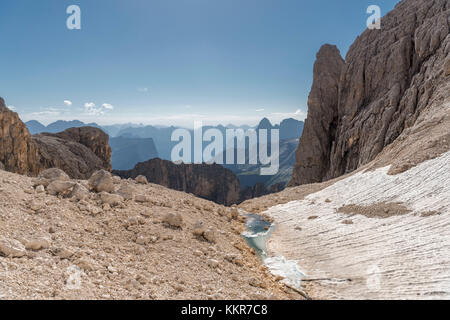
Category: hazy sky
<point>169,61</point>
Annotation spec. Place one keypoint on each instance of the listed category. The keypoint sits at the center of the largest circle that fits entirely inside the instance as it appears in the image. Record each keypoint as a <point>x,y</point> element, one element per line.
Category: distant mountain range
<point>133,143</point>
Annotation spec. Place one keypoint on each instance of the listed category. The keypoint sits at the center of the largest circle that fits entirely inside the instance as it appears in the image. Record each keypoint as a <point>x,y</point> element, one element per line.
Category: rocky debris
<point>78,151</point>
<point>389,82</point>
<point>141,179</point>
<point>18,153</point>
<point>232,213</point>
<point>101,181</point>
<point>11,248</point>
<point>35,205</point>
<point>213,263</point>
<point>210,235</point>
<point>40,189</point>
<point>53,174</point>
<point>62,253</point>
<point>127,192</point>
<point>173,220</point>
<point>202,232</point>
<point>212,182</point>
<point>37,244</point>
<point>60,187</point>
<point>198,229</point>
<point>78,247</point>
<point>111,199</point>
<point>235,259</point>
<point>142,198</point>
<point>79,192</point>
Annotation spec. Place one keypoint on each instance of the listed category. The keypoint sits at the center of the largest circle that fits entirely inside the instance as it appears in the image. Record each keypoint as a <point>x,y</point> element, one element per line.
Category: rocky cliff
<point>17,151</point>
<point>77,151</point>
<point>212,182</point>
<point>389,78</point>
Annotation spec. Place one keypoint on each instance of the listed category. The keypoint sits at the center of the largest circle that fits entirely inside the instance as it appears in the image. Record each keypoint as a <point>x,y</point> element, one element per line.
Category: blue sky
<point>169,61</point>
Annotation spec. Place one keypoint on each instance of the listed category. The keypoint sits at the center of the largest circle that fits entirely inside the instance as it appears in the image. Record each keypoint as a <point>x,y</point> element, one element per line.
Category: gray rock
<point>37,244</point>
<point>127,192</point>
<point>60,187</point>
<point>101,181</point>
<point>53,174</point>
<point>11,248</point>
<point>141,179</point>
<point>40,189</point>
<point>111,199</point>
<point>389,79</point>
<point>174,220</point>
<point>2,166</point>
<point>79,192</point>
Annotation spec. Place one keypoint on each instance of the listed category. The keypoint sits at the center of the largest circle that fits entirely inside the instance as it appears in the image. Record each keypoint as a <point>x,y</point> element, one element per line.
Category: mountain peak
<point>265,124</point>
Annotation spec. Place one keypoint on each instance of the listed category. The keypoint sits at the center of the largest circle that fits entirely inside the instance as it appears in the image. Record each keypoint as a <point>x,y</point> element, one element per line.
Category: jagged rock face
<point>17,151</point>
<point>212,182</point>
<point>388,79</point>
<point>77,151</point>
<point>313,153</point>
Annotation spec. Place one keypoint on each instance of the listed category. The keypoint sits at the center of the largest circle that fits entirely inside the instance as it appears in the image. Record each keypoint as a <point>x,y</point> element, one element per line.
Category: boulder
<point>141,198</point>
<point>79,192</point>
<point>11,248</point>
<point>60,187</point>
<point>2,166</point>
<point>127,192</point>
<point>210,235</point>
<point>37,244</point>
<point>53,174</point>
<point>111,199</point>
<point>173,220</point>
<point>141,179</point>
<point>101,181</point>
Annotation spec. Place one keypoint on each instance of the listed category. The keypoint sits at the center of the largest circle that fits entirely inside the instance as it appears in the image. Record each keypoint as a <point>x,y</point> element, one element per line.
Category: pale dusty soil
<point>94,254</point>
<point>376,210</point>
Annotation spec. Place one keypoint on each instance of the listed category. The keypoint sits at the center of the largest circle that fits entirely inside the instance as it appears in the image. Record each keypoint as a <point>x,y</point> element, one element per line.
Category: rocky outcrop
<point>17,151</point>
<point>212,182</point>
<point>77,151</point>
<point>390,76</point>
<point>313,153</point>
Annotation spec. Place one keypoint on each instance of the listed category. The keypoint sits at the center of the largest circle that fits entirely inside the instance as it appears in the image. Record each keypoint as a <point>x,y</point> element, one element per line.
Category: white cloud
<point>91,108</point>
<point>259,110</point>
<point>279,116</point>
<point>68,103</point>
<point>144,89</point>
<point>12,108</point>
<point>107,106</point>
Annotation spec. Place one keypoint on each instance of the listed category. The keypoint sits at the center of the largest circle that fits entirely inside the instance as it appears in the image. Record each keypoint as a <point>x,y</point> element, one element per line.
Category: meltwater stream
<point>257,233</point>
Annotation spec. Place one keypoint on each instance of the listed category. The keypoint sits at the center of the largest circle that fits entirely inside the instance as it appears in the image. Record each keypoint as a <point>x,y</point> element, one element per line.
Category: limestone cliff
<point>390,76</point>
<point>17,151</point>
<point>77,151</point>
<point>212,182</point>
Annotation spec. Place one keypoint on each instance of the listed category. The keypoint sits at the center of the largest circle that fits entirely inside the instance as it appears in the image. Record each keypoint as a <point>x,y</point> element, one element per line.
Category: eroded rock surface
<point>212,182</point>
<point>389,78</point>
